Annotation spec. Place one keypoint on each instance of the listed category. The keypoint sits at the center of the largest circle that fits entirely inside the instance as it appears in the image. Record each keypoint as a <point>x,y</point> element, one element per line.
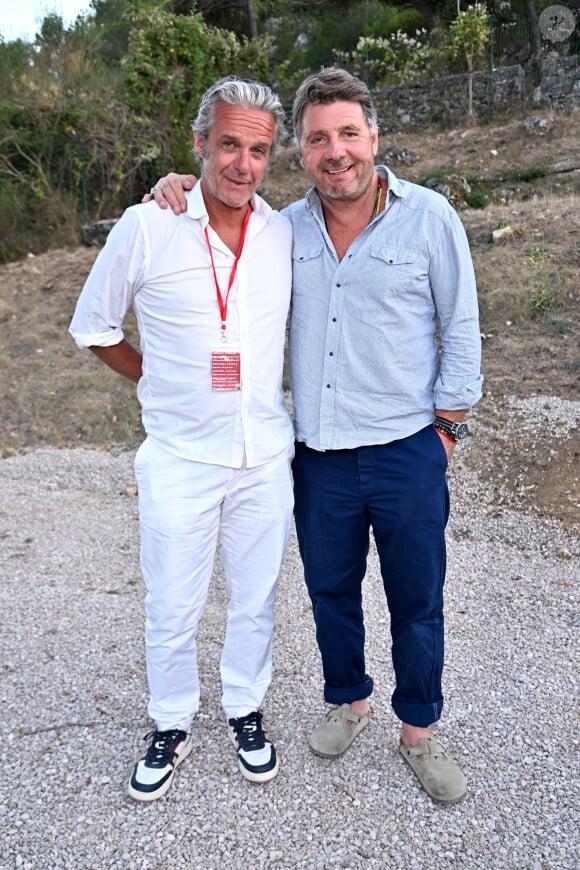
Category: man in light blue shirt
<point>384,347</point>
<point>384,363</point>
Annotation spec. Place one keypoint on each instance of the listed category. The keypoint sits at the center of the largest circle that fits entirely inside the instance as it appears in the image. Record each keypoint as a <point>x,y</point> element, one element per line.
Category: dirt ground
<point>53,394</point>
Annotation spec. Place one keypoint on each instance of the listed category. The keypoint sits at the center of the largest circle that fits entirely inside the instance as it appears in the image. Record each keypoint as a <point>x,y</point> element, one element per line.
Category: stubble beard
<point>336,192</point>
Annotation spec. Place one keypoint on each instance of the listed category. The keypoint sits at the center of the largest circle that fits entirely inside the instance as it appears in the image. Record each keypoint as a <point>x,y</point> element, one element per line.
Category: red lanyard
<point>223,304</point>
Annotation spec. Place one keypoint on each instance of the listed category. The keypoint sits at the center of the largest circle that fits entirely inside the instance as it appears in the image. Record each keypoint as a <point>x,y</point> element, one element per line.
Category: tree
<point>432,12</point>
<point>83,134</point>
<point>240,16</point>
<point>468,36</point>
<point>533,30</point>
<point>59,95</point>
<point>252,21</point>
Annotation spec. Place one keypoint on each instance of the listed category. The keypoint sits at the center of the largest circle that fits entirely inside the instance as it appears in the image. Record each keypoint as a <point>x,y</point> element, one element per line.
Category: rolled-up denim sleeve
<point>452,277</point>
<point>109,289</point>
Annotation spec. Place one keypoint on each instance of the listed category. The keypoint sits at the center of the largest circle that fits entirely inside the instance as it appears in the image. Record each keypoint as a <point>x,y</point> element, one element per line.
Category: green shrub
<point>171,61</point>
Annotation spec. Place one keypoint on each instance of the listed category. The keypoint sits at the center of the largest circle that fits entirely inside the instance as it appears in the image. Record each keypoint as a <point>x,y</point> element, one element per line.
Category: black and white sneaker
<point>256,752</point>
<point>153,774</point>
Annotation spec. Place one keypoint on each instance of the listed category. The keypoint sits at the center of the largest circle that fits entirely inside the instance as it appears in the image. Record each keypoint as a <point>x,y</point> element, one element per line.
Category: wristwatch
<point>456,431</point>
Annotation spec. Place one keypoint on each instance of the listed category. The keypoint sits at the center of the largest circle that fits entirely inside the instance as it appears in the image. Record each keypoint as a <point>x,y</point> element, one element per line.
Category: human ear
<point>198,146</point>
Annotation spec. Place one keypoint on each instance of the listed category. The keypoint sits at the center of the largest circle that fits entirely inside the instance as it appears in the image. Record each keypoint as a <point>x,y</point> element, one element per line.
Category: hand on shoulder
<point>169,191</point>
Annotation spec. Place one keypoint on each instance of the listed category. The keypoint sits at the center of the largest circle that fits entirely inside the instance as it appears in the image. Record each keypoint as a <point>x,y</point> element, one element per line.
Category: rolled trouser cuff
<point>419,715</point>
<point>348,694</point>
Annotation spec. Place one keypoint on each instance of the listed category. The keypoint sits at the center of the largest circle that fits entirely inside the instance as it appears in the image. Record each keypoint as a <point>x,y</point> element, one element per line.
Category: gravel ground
<point>73,697</point>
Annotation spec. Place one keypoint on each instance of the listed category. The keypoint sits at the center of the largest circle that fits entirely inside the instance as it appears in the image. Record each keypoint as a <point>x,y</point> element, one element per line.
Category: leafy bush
<point>81,138</point>
<point>405,53</point>
<point>171,61</point>
<point>325,35</point>
<point>51,92</point>
<point>395,59</point>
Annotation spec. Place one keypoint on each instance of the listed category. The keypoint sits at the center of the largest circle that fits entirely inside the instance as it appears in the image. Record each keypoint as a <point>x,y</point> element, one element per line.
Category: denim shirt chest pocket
<point>396,269</point>
<point>306,266</point>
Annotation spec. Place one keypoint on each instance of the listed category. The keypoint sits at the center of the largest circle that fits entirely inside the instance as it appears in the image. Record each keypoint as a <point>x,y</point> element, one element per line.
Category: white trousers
<point>185,509</point>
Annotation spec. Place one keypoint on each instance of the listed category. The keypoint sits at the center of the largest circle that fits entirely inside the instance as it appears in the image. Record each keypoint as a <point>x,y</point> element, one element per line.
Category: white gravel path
<point>73,696</point>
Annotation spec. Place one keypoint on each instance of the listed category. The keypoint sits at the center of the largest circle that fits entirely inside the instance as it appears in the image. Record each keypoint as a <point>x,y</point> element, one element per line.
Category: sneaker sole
<point>252,776</point>
<point>148,796</point>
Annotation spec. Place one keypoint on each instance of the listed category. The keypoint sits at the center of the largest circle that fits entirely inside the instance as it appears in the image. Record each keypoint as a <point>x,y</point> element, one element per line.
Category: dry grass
<point>535,272</point>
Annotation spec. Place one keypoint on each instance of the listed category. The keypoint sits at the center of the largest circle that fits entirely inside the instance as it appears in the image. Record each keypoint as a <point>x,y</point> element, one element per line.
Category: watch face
<point>461,431</point>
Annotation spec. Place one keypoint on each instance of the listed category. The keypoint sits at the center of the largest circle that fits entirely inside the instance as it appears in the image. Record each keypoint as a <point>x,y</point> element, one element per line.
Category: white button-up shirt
<point>159,263</point>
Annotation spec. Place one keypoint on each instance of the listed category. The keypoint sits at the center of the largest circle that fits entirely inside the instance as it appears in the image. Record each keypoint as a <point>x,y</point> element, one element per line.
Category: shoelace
<point>249,732</point>
<point>162,748</point>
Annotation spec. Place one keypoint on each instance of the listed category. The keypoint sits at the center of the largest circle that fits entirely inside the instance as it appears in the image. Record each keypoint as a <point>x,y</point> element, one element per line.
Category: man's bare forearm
<point>122,358</point>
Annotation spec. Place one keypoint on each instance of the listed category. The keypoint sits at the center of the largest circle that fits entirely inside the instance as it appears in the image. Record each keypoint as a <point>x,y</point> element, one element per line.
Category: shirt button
<point>331,353</point>
<point>338,285</point>
<point>328,386</point>
<point>334,319</point>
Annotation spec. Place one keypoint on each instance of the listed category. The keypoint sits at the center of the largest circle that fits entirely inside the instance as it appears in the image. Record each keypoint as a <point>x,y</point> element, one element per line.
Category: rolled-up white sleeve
<point>108,292</point>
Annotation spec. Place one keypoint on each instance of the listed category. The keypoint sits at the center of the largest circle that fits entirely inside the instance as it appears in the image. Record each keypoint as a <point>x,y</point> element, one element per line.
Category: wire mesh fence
<point>511,42</point>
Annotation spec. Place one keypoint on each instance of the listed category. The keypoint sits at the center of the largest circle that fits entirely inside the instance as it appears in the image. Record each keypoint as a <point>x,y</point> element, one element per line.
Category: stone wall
<point>508,91</point>
<point>559,86</point>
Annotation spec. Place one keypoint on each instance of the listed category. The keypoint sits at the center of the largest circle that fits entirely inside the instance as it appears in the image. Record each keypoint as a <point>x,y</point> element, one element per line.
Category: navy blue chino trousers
<point>399,491</point>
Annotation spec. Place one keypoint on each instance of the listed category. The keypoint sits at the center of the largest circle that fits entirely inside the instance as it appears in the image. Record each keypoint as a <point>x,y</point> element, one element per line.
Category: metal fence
<point>511,43</point>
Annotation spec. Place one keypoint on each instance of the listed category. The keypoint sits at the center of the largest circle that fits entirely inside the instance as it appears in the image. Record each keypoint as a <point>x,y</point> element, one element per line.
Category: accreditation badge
<point>226,367</point>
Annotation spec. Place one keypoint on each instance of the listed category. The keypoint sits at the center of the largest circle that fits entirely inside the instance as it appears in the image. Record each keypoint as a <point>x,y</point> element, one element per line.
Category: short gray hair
<point>246,93</point>
<point>328,86</point>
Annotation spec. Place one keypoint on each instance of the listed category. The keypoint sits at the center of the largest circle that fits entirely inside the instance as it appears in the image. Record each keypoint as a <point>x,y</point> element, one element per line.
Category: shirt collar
<point>396,186</point>
<point>197,211</point>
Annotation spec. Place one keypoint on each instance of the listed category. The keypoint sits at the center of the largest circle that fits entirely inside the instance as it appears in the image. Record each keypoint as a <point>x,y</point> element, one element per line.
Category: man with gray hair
<point>210,289</point>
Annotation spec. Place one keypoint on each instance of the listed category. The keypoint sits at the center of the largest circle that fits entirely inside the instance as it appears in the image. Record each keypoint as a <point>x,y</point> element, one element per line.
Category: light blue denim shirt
<point>388,334</point>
